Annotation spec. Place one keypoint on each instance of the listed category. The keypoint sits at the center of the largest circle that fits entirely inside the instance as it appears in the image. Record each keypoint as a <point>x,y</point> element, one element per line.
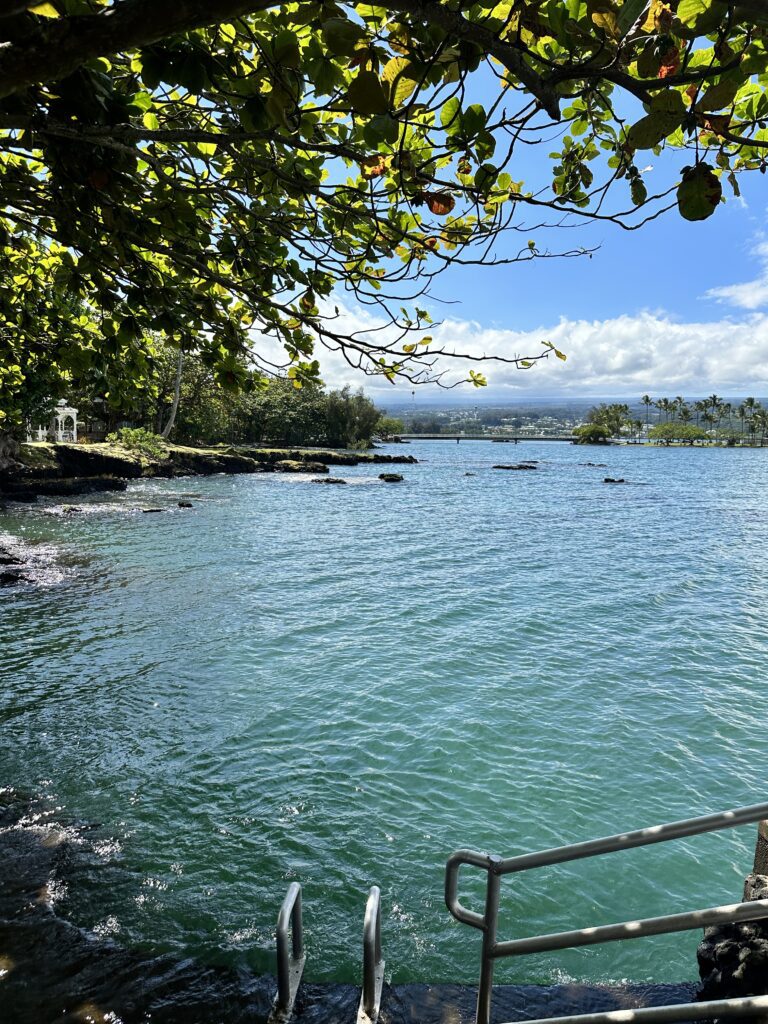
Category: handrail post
<point>490,926</point>
<point>373,965</point>
<point>290,956</point>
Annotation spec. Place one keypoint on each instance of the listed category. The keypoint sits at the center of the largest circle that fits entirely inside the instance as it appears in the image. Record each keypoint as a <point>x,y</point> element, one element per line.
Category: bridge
<point>509,438</point>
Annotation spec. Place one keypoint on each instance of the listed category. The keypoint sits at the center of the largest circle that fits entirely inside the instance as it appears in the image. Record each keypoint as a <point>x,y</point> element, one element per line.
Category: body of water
<point>342,685</point>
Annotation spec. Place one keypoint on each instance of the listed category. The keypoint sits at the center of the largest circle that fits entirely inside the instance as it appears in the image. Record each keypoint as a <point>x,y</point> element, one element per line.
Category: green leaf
<point>402,77</point>
<point>449,115</point>
<point>699,192</point>
<point>366,94</point>
<point>629,14</point>
<point>638,191</point>
<point>342,36</point>
<point>722,93</point>
<point>702,16</point>
<point>286,49</point>
<point>667,113</point>
<point>473,120</point>
<point>381,128</point>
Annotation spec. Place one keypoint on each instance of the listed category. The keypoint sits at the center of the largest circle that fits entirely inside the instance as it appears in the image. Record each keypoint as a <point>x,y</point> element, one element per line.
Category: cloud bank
<point>623,355</point>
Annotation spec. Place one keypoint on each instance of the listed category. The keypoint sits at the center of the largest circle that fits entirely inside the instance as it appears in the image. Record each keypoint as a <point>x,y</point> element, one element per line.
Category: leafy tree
<point>351,418</point>
<point>592,433</point>
<point>389,426</point>
<point>668,432</point>
<point>214,171</point>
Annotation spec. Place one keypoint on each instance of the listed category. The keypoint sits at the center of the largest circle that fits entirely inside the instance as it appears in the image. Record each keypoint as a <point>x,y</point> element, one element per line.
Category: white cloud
<point>625,355</point>
<point>749,294</point>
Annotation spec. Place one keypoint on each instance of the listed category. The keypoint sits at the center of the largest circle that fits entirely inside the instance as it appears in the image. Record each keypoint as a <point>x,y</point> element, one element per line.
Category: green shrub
<point>139,439</point>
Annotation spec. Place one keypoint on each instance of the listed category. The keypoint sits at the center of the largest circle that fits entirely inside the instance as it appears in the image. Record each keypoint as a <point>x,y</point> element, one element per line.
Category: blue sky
<point>672,308</point>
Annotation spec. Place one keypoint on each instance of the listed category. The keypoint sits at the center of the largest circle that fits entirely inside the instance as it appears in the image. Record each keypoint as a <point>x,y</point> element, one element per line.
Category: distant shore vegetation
<point>678,420</point>
<point>186,403</point>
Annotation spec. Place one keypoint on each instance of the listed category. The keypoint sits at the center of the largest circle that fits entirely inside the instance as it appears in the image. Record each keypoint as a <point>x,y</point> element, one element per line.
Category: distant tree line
<point>677,419</point>
<point>747,419</point>
<point>186,402</point>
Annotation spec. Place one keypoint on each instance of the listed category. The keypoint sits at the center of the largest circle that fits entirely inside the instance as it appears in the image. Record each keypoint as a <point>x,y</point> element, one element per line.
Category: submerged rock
<point>390,478</point>
<point>328,480</point>
<point>517,465</point>
<point>145,510</point>
<point>614,480</point>
<point>185,504</point>
<point>9,577</point>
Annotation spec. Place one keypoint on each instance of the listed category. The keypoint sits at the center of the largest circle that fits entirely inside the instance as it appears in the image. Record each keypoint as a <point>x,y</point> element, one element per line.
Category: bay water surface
<point>342,685</point>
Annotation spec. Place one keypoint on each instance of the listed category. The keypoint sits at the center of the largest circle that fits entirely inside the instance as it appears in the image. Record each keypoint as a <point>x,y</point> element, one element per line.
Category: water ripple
<point>343,685</point>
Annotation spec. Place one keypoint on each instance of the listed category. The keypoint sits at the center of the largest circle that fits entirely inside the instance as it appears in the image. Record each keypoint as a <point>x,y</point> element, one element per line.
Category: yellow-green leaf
<point>45,11</point>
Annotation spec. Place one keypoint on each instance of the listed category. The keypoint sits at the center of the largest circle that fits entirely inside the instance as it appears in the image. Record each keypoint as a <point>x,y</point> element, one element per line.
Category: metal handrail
<point>290,954</point>
<point>746,1006</point>
<point>373,965</point>
<point>497,866</point>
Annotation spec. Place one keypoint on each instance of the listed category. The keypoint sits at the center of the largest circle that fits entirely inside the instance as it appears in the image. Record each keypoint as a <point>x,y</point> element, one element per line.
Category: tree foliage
<point>592,433</point>
<point>612,416</point>
<point>669,432</point>
<point>220,172</point>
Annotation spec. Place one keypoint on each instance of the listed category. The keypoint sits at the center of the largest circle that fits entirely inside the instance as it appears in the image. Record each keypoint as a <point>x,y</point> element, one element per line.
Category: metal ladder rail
<point>496,867</point>
<point>373,965</point>
<point>290,954</point>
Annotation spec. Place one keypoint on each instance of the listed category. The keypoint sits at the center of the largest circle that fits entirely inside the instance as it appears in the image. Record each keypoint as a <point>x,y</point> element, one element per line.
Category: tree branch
<point>457,25</point>
<point>60,46</point>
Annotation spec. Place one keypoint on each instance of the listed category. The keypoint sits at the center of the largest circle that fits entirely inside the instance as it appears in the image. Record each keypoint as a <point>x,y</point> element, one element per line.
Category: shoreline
<point>44,469</point>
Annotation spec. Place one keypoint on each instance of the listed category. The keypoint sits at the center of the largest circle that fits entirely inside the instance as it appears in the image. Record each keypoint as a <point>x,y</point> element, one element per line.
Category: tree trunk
<point>9,449</point>
<point>176,395</point>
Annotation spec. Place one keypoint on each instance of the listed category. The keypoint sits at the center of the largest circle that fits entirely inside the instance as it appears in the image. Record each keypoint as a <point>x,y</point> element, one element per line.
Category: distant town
<point>713,417</point>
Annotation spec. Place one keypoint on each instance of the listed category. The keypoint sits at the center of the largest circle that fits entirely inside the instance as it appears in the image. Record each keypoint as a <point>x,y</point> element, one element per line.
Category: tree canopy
<point>223,173</point>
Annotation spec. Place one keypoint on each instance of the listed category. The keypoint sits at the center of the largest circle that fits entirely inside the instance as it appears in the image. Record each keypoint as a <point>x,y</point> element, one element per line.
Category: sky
<point>673,308</point>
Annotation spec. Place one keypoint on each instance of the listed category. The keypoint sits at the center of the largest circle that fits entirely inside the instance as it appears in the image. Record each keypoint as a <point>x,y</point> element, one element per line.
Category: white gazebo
<point>62,425</point>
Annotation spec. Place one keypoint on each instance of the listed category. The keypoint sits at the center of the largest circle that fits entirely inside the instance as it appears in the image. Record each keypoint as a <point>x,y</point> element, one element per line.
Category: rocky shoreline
<point>64,470</point>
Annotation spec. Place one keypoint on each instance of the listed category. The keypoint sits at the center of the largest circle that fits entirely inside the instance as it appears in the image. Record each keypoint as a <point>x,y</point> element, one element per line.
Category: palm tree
<point>647,401</point>
<point>665,406</point>
<point>751,407</point>
<point>715,403</point>
<point>678,402</point>
<point>760,419</point>
<point>685,413</point>
<point>701,408</point>
<point>741,412</point>
<point>728,411</point>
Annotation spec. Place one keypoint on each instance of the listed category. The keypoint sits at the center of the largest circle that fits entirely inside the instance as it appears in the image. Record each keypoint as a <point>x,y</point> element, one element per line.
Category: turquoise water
<point>341,685</point>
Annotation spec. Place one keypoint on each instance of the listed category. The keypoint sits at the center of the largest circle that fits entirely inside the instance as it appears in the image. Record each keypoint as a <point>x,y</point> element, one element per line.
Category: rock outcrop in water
<point>71,469</point>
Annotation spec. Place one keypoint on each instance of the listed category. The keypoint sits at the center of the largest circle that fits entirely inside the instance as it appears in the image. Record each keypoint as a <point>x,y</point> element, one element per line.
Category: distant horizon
<point>451,400</point>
